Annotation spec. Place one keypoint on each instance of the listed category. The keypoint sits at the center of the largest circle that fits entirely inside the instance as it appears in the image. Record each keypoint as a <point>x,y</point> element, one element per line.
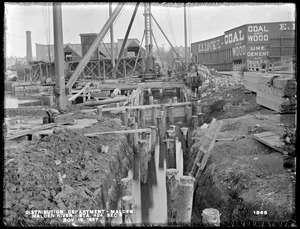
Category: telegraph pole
<point>59,91</point>
<point>185,38</point>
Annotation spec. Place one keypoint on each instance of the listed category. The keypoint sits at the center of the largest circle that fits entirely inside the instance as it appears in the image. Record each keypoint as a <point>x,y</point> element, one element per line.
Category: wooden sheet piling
<point>171,156</point>
<point>188,112</point>
<point>172,181</point>
<point>151,102</point>
<point>194,121</point>
<point>185,199</point>
<point>171,115</point>
<point>161,134</point>
<point>136,155</point>
<point>142,118</point>
<point>154,115</point>
<point>174,99</point>
<point>153,138</point>
<point>200,119</point>
<point>143,161</point>
<point>161,95</point>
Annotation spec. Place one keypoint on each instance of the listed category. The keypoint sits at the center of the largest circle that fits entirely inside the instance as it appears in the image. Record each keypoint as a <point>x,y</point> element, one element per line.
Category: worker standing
<point>169,72</point>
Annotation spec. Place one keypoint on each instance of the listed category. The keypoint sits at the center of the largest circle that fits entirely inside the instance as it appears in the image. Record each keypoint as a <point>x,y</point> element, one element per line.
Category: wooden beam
<point>142,106</point>
<point>95,44</point>
<point>73,97</point>
<point>30,131</point>
<point>119,132</point>
<point>107,101</point>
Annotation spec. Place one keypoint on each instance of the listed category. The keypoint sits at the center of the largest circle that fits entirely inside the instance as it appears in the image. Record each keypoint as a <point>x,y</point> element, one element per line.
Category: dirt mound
<point>229,103</point>
<point>90,176</point>
<point>243,176</point>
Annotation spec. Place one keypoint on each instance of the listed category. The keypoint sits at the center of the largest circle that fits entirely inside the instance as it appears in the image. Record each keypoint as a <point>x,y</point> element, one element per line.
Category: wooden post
<point>143,161</point>
<point>185,199</point>
<point>188,112</point>
<point>174,100</point>
<point>141,99</point>
<point>199,109</point>
<point>51,102</point>
<point>99,70</point>
<point>171,115</point>
<point>154,115</point>
<point>178,92</point>
<point>89,93</point>
<point>136,156</point>
<point>172,181</point>
<point>151,100</point>
<point>161,94</point>
<point>126,184</point>
<point>99,111</point>
<point>194,121</point>
<point>194,107</point>
<point>171,157</point>
<point>200,119</point>
<point>184,132</point>
<point>142,118</point>
<point>153,137</point>
<point>104,71</point>
<point>163,113</point>
<point>128,203</point>
<point>161,132</point>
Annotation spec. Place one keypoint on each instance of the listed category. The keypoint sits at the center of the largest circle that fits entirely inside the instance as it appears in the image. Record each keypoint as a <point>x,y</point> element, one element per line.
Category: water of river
<point>151,199</point>
<point>12,101</point>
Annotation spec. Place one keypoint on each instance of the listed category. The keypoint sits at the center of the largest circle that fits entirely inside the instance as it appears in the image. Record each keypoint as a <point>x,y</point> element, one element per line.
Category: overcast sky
<point>204,21</point>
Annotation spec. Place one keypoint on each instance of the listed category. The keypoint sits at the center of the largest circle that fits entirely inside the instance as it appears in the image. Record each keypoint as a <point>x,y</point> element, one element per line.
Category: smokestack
<point>28,47</point>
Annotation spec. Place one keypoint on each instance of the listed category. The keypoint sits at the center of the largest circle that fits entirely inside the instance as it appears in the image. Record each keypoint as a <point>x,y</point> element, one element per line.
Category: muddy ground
<point>243,176</point>
<point>90,176</point>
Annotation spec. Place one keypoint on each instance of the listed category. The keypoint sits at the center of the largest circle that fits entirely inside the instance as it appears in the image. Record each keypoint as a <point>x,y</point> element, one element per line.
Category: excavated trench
<point>92,178</point>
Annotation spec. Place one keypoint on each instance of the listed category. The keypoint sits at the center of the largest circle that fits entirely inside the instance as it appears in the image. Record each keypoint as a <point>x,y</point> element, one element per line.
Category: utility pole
<point>112,38</point>
<point>59,91</point>
<point>185,38</point>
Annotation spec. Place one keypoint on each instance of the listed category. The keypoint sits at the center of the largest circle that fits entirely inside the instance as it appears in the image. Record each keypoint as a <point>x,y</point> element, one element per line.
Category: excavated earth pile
<point>65,171</point>
<point>244,176</point>
<point>228,103</point>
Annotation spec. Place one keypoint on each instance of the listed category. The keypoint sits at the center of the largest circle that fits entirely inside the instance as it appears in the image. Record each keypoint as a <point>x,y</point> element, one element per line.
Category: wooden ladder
<point>203,155</point>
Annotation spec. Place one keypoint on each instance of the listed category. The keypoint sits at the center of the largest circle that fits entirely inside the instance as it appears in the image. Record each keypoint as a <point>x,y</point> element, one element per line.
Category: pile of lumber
<point>250,80</point>
<point>277,92</point>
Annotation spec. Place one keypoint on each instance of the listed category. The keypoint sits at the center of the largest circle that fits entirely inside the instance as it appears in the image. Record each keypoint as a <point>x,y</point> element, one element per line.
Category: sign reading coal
<point>257,34</point>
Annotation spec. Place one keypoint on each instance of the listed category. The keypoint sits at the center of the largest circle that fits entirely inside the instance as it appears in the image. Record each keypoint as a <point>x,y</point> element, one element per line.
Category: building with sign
<point>247,47</point>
